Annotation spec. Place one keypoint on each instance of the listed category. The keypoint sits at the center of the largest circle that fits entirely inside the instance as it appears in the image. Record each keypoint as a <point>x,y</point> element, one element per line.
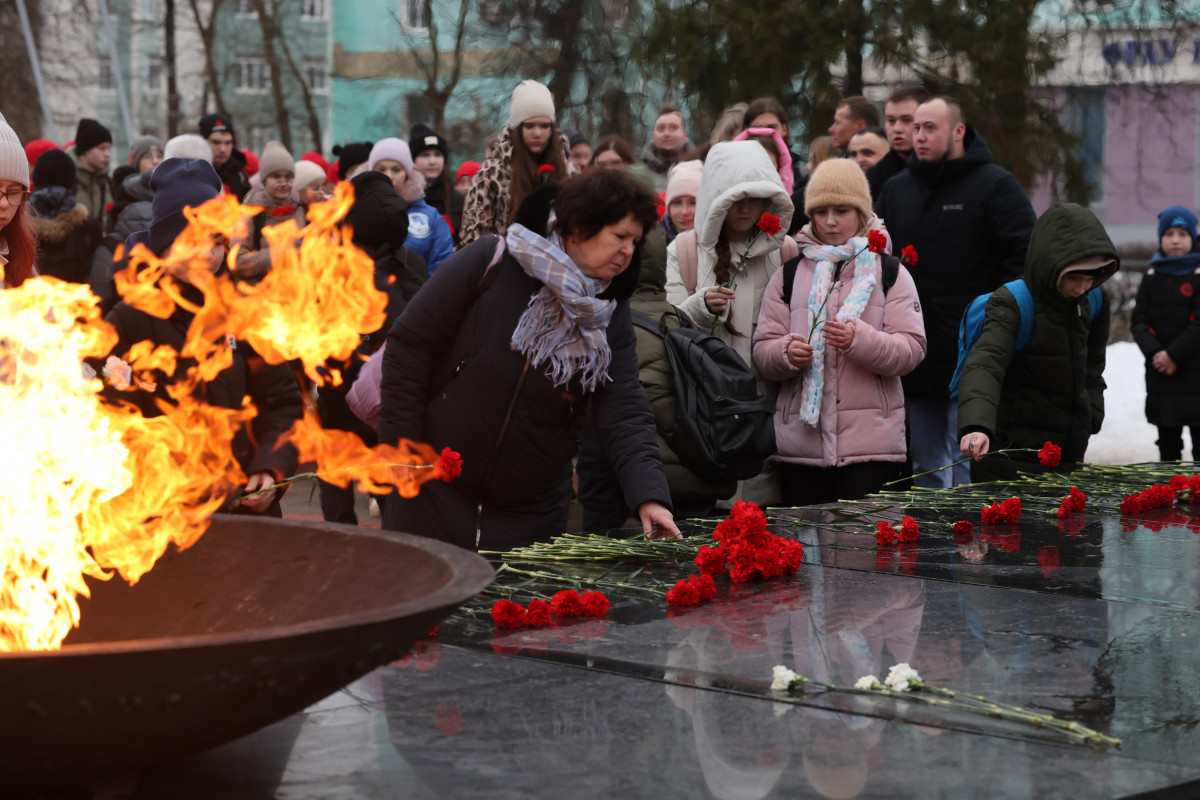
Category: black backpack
<point>889,267</point>
<point>723,427</point>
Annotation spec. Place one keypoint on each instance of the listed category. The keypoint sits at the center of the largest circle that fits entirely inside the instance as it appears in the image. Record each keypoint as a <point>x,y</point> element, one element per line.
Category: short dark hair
<point>872,129</point>
<point>903,93</point>
<point>954,107</point>
<point>764,105</point>
<point>862,109</point>
<point>618,145</point>
<point>668,109</point>
<point>596,198</point>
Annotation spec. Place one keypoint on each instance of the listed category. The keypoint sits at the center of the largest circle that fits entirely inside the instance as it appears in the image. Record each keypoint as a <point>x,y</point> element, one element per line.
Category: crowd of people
<point>839,274</point>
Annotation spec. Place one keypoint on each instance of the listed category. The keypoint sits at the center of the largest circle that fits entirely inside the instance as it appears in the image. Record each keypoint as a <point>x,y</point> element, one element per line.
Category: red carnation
<point>1003,513</point>
<point>711,561</point>
<point>538,614</point>
<point>507,614</point>
<point>704,586</point>
<point>876,241</point>
<point>448,465</point>
<point>909,530</point>
<point>884,533</point>
<point>683,594</point>
<point>595,604</point>
<point>963,526</point>
<point>1050,455</point>
<point>546,168</point>
<point>566,603</point>
<point>909,256</point>
<point>769,224</point>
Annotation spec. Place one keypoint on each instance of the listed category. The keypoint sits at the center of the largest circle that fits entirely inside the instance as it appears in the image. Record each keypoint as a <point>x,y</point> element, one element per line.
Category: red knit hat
<point>35,148</point>
<point>251,163</point>
<point>317,159</point>
<point>467,170</point>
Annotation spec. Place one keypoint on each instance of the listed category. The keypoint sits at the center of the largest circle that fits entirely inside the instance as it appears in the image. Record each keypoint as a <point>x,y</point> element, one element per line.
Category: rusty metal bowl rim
<point>471,571</point>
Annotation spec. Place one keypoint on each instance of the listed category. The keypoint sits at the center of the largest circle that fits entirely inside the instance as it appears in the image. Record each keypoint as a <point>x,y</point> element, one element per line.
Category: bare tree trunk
<point>281,111</point>
<point>437,94</point>
<point>172,86</point>
<point>207,36</point>
<point>314,120</point>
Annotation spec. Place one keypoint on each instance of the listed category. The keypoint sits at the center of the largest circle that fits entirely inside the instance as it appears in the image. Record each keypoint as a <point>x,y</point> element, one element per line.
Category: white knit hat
<point>530,99</point>
<point>684,179</point>
<point>275,158</point>
<point>307,172</point>
<point>14,166</point>
<point>391,149</point>
<point>188,145</point>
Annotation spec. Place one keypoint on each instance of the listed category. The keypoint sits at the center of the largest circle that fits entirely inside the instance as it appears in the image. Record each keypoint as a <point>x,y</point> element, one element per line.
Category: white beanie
<point>188,145</point>
<point>530,99</point>
<point>683,179</point>
<point>391,149</point>
<point>14,165</point>
<point>307,172</point>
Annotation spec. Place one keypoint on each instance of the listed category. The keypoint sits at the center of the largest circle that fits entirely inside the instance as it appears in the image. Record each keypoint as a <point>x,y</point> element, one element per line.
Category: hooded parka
<point>733,171</point>
<point>1053,389</point>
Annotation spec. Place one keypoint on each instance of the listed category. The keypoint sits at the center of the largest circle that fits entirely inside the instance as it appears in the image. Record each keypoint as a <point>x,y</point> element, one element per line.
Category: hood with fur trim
<point>55,230</point>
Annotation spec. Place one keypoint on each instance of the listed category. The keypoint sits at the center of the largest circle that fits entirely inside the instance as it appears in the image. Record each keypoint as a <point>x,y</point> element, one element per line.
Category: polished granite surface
<point>1097,621</point>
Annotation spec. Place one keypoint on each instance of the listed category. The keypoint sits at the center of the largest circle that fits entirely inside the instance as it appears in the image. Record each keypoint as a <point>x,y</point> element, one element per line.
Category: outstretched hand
<point>657,522</point>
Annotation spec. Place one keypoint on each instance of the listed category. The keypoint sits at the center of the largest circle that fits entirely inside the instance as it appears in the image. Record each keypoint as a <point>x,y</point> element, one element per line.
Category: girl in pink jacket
<point>839,349</point>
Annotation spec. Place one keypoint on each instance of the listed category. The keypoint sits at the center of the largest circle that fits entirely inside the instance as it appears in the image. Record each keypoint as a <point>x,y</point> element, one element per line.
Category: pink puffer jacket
<point>862,407</point>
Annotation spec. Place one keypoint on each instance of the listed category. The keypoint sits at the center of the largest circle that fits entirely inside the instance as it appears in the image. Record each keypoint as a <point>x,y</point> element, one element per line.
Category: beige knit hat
<point>530,99</point>
<point>14,166</point>
<point>275,158</point>
<point>838,182</point>
<point>684,179</point>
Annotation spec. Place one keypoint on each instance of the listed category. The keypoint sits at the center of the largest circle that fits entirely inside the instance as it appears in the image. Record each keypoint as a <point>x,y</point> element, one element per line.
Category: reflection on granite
<point>1096,621</point>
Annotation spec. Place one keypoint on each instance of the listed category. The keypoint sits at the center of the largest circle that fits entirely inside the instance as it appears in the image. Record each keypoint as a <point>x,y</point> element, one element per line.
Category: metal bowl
<point>256,621</point>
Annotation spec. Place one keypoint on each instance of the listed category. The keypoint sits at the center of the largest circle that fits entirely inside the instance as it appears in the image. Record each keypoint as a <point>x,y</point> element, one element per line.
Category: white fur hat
<point>188,145</point>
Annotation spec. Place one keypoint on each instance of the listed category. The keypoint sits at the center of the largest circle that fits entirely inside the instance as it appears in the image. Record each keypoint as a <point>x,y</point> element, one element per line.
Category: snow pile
<point>1126,436</point>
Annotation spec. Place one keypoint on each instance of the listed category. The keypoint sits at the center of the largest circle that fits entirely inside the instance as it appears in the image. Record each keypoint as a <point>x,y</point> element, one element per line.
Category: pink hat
<point>684,180</point>
<point>785,155</point>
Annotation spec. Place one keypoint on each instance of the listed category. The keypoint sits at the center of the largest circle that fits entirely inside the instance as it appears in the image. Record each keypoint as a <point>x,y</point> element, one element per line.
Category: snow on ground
<point>1126,436</point>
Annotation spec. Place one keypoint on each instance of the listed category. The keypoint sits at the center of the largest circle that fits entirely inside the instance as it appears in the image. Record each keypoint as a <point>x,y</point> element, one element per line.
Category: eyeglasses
<point>15,197</point>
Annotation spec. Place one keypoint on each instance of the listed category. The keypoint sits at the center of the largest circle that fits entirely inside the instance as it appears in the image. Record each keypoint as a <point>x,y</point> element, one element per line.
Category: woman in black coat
<point>499,356</point>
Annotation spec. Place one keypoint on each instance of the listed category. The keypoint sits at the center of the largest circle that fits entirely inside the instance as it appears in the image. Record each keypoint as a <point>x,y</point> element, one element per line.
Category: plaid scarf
<point>565,324</point>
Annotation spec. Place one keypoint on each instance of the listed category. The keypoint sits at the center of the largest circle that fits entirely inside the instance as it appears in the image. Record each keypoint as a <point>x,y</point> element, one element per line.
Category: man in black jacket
<point>228,161</point>
<point>899,116</point>
<point>969,221</point>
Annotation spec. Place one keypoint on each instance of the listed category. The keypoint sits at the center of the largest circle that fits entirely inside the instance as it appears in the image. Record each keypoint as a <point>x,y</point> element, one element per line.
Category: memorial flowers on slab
<point>903,682</point>
<point>563,605</point>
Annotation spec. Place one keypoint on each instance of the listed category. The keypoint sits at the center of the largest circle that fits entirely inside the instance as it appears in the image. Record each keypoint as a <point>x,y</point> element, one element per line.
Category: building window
<point>316,75</point>
<point>252,76</point>
<point>314,10</point>
<point>257,137</point>
<point>154,72</point>
<point>148,9</point>
<point>108,81</point>
<point>246,9</point>
<point>416,108</point>
<point>414,16</point>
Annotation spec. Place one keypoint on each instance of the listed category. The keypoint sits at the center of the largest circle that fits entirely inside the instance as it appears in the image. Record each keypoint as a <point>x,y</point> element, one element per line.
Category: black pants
<point>1170,442</point>
<point>337,504</point>
<point>806,486</point>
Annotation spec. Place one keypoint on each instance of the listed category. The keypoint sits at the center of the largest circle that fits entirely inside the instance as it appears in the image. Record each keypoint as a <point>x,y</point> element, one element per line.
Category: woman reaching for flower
<point>843,341</point>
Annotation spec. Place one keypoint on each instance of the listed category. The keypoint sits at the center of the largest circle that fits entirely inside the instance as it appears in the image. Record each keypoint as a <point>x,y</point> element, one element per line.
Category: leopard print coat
<point>486,209</point>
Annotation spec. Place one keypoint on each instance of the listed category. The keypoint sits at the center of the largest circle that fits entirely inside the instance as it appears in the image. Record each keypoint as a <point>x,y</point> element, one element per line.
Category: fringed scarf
<point>866,273</point>
<point>565,324</point>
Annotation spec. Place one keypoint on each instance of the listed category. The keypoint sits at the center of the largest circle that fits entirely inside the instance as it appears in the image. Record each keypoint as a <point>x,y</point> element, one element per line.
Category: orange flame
<point>92,489</point>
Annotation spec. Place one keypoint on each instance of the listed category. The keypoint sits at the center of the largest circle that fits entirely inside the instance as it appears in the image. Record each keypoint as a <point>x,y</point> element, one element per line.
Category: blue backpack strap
<point>1024,298</point>
<point>1095,301</point>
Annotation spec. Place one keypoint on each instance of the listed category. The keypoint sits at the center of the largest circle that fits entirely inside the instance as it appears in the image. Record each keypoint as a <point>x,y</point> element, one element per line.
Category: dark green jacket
<point>1053,390</point>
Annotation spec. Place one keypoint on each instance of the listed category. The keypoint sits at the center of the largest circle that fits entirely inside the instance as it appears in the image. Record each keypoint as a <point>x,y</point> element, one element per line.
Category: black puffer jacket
<point>969,221</point>
<point>884,170</point>
<point>1053,389</point>
<point>233,174</point>
<point>451,378</point>
<point>272,387</point>
<point>1166,316</point>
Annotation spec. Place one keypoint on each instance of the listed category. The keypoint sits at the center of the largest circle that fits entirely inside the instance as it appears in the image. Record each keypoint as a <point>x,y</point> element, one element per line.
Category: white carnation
<point>781,679</point>
<point>868,682</point>
<point>902,677</point>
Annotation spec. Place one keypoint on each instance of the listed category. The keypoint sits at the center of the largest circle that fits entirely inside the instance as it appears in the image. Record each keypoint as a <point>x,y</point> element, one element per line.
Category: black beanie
<point>379,215</point>
<point>351,155</point>
<point>216,123</point>
<point>54,168</point>
<point>425,138</point>
<point>89,134</point>
<point>178,183</point>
